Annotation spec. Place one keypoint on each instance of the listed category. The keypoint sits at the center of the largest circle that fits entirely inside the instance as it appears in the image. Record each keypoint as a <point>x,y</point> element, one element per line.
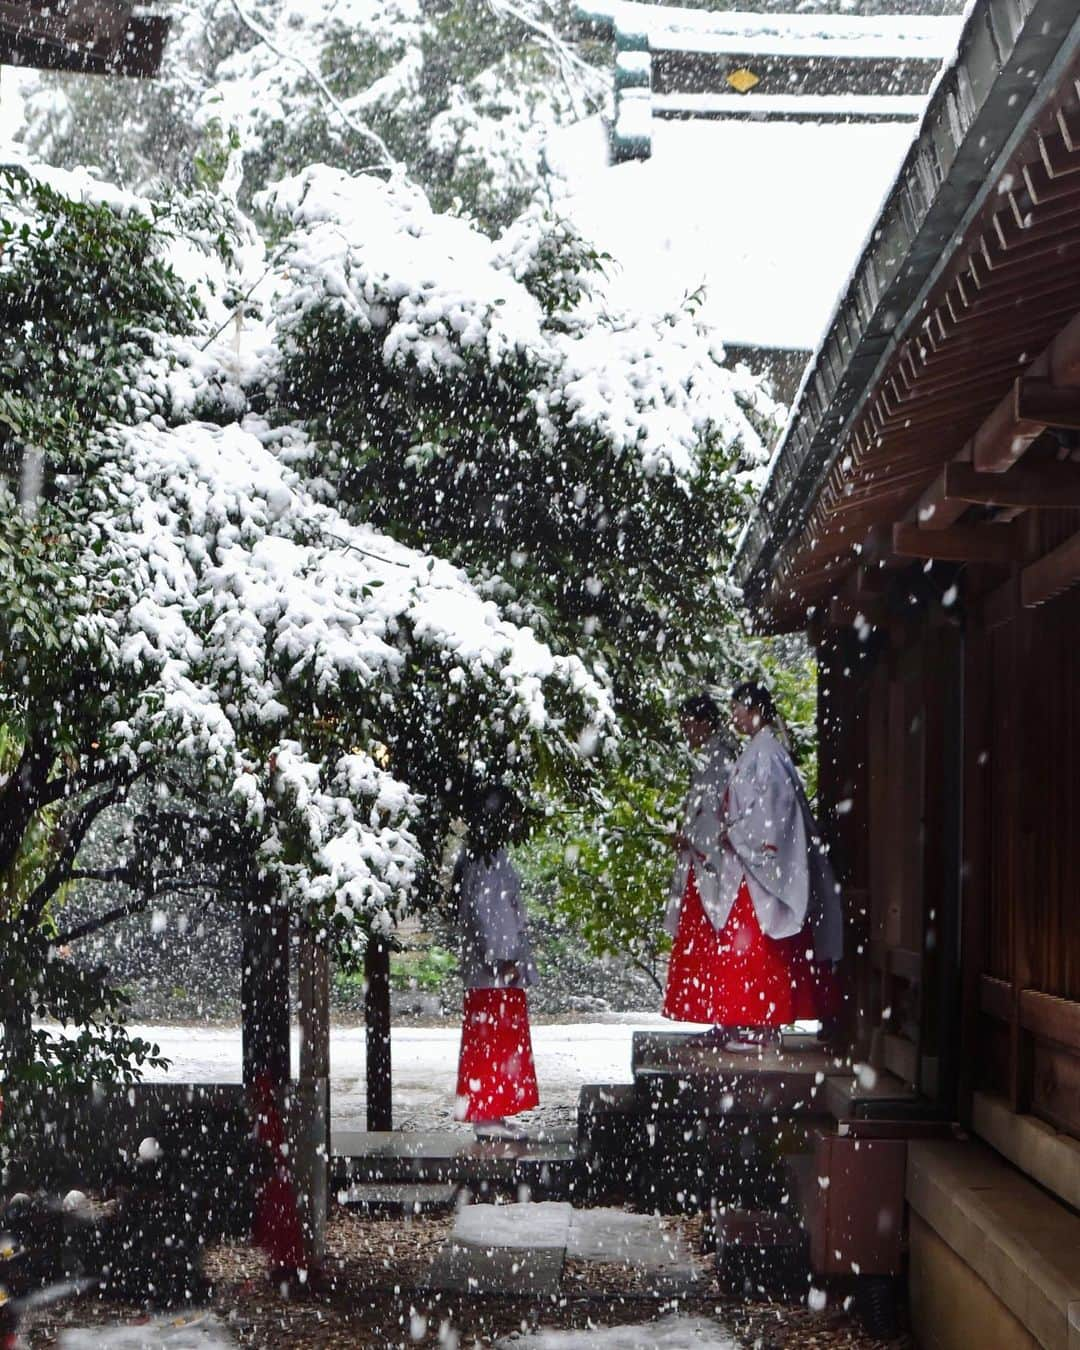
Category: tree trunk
<point>264,992</point>
<point>313,1093</point>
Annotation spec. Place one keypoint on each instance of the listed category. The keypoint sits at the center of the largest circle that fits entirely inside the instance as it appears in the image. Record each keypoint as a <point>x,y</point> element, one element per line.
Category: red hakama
<point>277,1218</point>
<point>496,1073</point>
<point>739,977</point>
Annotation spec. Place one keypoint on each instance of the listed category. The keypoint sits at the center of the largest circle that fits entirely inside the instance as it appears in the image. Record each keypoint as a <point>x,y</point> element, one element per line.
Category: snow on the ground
<point>204,1331</point>
<point>769,216</point>
<point>424,1062</point>
<point>670,1333</point>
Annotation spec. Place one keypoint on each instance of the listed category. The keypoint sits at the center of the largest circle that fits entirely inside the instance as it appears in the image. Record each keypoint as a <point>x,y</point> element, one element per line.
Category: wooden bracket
<point>1039,400</point>
<point>1054,484</point>
<point>959,543</point>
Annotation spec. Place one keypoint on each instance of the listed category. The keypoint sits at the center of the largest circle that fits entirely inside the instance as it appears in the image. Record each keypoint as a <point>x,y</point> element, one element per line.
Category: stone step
<point>676,1074</point>
<point>506,1272</point>
<point>548,1165</point>
<point>398,1199</point>
<point>612,1140</point>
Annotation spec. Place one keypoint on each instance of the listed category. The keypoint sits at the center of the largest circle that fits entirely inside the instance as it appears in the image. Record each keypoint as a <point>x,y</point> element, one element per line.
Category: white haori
<point>701,828</point>
<point>772,840</point>
<point>491,914</point>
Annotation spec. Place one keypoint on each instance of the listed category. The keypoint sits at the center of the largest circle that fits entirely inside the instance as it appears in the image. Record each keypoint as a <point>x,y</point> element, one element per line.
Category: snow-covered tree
<point>184,606</point>
<point>485,400</point>
<point>462,93</point>
<point>589,467</point>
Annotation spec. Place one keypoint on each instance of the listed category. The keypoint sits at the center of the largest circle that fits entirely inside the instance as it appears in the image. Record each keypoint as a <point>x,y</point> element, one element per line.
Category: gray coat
<point>772,839</point>
<point>701,826</point>
<point>491,916</point>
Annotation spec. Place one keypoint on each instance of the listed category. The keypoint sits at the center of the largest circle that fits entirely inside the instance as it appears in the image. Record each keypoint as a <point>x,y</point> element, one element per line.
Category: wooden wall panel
<point>1033,927</point>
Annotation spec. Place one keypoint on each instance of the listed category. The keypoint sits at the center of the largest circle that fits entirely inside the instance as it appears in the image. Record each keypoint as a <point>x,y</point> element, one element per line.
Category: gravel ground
<point>373,1301</point>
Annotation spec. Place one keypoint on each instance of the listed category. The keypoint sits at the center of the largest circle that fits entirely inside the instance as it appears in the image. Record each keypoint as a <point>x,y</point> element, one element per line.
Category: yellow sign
<point>743,80</point>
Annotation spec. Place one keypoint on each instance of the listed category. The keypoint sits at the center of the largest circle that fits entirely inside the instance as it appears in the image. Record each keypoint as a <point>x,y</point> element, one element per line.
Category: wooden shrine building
<point>92,37</point>
<point>672,61</point>
<point>922,522</point>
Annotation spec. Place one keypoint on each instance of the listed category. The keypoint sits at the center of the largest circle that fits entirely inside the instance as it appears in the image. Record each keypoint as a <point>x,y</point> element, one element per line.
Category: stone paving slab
<point>637,1241</point>
<point>545,1223</point>
<point>513,1272</point>
<point>670,1333</point>
<point>200,1331</point>
<point>609,1236</point>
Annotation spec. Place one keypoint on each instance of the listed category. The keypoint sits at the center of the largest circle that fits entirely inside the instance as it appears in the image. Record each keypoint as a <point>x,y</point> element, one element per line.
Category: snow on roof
<point>768,216</point>
<point>733,32</point>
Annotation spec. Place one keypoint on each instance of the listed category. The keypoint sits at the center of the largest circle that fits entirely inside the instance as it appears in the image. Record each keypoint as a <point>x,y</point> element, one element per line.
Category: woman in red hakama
<point>755,951</point>
<point>496,1072</point>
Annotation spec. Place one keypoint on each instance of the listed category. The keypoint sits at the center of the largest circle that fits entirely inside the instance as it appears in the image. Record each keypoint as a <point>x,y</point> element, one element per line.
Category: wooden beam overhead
<point>1046,578</point>
<point>959,543</point>
<point>1037,400</point>
<point>1049,485</point>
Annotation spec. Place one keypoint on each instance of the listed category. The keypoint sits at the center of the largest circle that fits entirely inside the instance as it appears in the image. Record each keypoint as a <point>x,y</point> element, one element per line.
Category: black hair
<point>756,697</point>
<point>492,806</point>
<point>701,708</point>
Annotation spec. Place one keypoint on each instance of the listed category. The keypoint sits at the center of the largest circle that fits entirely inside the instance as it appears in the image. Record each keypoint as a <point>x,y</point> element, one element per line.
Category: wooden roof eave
<point>970,133</point>
<point>93,37</point>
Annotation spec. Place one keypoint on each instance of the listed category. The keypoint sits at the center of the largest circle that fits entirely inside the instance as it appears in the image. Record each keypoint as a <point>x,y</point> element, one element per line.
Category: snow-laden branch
<point>354,126</point>
<point>587,88</point>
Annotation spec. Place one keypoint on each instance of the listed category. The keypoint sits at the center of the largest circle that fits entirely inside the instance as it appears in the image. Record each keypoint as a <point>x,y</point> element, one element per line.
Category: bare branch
<point>129,875</point>
<point>566,60</point>
<point>60,871</point>
<point>125,874</point>
<point>82,930</point>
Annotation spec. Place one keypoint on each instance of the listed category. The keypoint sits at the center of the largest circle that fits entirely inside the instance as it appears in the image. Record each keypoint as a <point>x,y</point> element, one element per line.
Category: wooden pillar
<point>312,1135</point>
<point>974,871</point>
<point>1014,763</point>
<point>264,992</point>
<point>313,998</point>
<point>377,1018</point>
<point>943,863</point>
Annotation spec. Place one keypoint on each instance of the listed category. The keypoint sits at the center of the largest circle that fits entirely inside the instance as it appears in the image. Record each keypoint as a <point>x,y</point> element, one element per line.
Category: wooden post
<point>312,1136</point>
<point>264,992</point>
<point>1014,763</point>
<point>314,1006</point>
<point>974,869</point>
<point>377,1018</point>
